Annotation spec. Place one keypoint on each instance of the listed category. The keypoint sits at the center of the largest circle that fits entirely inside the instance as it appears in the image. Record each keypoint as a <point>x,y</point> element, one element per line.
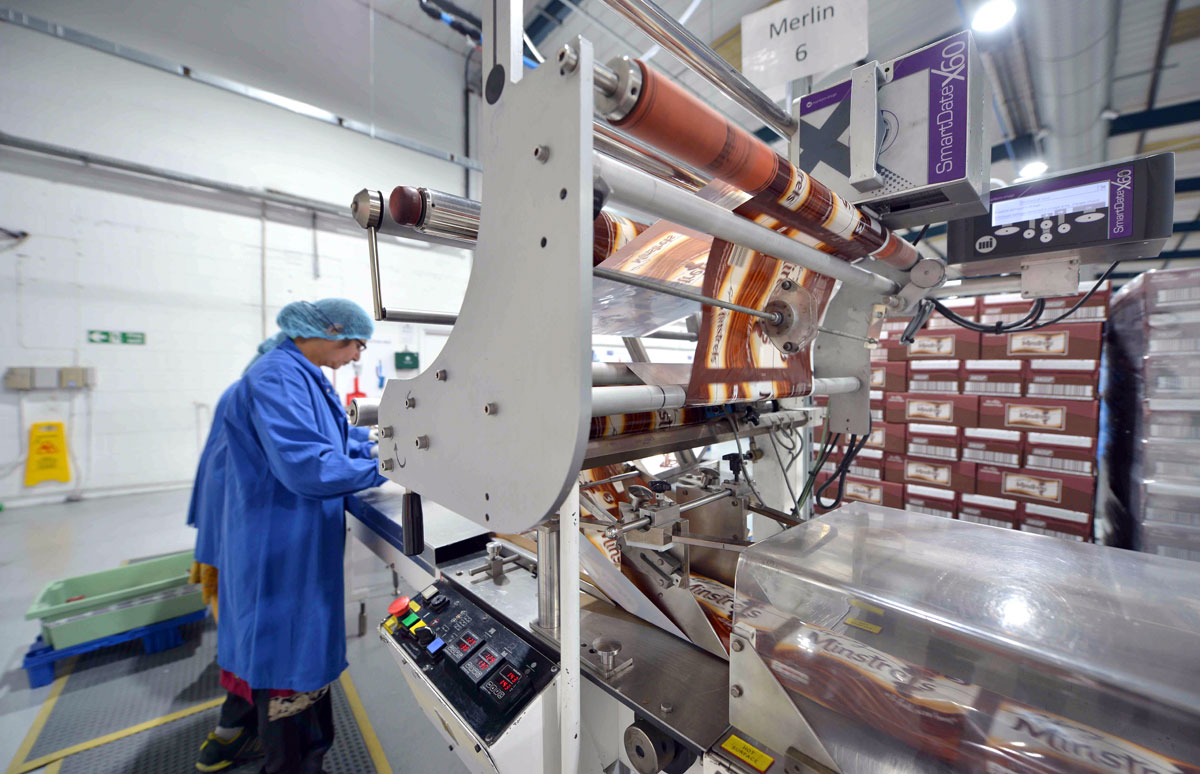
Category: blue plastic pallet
<point>40,659</point>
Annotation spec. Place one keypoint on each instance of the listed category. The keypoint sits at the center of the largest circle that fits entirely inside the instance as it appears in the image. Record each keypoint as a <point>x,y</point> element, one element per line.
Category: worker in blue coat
<point>236,734</point>
<point>290,459</point>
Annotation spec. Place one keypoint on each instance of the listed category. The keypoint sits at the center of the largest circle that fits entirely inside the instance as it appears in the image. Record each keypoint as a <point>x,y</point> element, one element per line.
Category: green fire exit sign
<point>116,337</point>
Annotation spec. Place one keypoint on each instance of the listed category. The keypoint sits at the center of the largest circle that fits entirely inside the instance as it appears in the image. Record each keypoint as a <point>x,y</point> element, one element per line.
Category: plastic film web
<point>668,118</point>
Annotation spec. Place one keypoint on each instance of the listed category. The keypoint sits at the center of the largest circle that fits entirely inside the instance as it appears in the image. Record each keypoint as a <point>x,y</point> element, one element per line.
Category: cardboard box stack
<point>996,429</point>
<point>1150,450</point>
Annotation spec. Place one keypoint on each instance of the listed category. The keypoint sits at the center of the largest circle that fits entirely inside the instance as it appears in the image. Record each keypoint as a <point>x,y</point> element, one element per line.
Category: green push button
<point>411,619</point>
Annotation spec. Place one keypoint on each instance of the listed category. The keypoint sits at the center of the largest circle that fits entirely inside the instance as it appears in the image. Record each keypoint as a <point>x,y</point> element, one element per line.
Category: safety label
<point>747,752</point>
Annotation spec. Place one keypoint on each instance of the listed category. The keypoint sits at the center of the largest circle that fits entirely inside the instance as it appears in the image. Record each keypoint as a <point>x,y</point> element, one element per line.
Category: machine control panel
<point>1105,213</point>
<point>481,664</point>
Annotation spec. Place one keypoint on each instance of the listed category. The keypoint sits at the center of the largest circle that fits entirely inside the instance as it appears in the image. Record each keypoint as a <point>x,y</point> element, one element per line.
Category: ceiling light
<point>1035,168</point>
<point>993,15</point>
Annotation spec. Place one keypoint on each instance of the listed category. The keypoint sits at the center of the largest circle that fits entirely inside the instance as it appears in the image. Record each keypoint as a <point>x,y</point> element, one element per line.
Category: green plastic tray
<point>87,607</point>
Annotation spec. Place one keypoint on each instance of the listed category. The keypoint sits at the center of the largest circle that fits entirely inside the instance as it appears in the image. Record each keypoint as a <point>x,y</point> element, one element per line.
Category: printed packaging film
<point>947,644</point>
<point>782,197</point>
<point>734,359</point>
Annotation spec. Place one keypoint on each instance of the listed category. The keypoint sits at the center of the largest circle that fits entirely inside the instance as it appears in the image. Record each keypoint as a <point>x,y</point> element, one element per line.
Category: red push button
<point>398,606</point>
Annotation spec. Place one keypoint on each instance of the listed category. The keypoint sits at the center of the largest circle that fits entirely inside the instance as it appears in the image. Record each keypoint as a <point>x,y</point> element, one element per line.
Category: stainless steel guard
<point>521,343</point>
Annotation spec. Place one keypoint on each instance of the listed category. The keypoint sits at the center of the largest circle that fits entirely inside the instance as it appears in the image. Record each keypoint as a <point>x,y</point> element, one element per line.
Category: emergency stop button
<point>399,605</point>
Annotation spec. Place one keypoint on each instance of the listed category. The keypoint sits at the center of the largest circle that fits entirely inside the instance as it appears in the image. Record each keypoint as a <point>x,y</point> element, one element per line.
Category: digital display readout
<point>481,664</point>
<point>504,684</point>
<point>508,679</point>
<point>461,648</point>
<point>485,659</point>
<point>1065,201</point>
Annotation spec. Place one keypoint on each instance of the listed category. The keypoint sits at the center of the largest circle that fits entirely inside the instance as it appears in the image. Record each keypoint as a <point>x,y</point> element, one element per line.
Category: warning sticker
<point>747,752</point>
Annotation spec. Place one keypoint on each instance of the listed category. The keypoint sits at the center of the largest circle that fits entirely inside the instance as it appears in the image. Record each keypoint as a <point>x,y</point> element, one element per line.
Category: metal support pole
<point>611,479</point>
<point>376,292</point>
<point>416,317</point>
<point>636,349</point>
<point>632,399</point>
<point>665,30</point>
<point>613,373</point>
<point>568,632</point>
<point>547,560</point>
<point>644,192</point>
<point>700,502</point>
<point>625,278</point>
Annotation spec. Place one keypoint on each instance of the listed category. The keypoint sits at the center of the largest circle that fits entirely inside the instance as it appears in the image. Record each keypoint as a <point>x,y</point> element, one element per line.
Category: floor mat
<point>171,749</point>
<point>112,689</point>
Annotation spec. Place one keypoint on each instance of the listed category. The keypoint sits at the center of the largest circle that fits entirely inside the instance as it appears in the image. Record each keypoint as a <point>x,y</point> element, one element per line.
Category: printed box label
<point>1024,485</point>
<point>1038,417</point>
<point>1045,344</point>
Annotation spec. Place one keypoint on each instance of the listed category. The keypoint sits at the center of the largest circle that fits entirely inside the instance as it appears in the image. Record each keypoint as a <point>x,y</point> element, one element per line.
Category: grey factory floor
<point>39,544</point>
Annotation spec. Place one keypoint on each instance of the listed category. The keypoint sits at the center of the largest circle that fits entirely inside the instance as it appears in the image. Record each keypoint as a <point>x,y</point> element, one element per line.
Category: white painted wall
<point>189,277</point>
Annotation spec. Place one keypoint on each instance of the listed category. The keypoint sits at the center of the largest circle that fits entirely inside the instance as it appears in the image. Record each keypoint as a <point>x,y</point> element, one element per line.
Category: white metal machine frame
<point>496,428</point>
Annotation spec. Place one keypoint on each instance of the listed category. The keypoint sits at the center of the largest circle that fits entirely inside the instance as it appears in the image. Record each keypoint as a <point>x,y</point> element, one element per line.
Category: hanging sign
<point>407,361</point>
<point>796,38</point>
<point>47,460</point>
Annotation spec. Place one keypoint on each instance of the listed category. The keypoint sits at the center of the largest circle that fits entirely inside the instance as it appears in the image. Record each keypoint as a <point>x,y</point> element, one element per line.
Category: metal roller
<point>651,108</point>
<point>363,413</point>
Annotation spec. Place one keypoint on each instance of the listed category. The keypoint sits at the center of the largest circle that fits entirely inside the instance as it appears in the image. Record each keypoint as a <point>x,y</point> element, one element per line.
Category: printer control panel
<point>482,666</point>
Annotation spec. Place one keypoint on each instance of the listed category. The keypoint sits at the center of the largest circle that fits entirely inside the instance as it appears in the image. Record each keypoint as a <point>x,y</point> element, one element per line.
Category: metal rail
<point>633,399</point>
<point>665,30</point>
<point>417,317</point>
<point>109,162</point>
<point>611,479</point>
<point>775,318</point>
<point>644,192</point>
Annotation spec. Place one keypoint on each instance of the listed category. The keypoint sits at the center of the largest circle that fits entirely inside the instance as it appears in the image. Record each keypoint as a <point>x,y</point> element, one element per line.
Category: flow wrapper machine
<point>698,620</point>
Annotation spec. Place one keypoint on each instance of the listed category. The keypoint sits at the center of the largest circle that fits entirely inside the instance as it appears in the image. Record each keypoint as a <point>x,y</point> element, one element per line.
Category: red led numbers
<point>485,660</point>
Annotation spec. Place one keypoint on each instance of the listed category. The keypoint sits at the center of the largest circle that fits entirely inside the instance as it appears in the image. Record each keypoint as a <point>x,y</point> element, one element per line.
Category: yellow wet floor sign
<point>47,459</point>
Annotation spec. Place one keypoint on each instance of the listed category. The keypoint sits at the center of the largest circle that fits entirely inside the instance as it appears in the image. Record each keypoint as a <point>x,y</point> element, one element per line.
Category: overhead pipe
<point>1072,42</point>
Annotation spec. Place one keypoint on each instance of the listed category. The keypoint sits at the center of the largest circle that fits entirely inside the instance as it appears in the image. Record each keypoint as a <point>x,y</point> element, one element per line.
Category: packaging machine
<point>696,620</point>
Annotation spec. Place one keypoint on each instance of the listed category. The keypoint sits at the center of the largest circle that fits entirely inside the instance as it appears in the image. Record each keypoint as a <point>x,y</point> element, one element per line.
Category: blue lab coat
<point>208,490</point>
<point>288,466</point>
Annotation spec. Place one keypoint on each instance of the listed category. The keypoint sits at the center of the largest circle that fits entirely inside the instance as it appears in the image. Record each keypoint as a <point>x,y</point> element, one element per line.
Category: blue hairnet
<point>329,318</point>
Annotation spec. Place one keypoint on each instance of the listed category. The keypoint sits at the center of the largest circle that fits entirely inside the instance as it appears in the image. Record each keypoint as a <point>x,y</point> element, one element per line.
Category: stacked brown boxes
<point>999,429</point>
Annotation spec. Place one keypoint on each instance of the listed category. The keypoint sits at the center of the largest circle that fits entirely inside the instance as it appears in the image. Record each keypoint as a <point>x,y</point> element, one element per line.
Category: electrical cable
<point>855,445</point>
<point>1031,321</point>
<point>783,469</point>
<point>920,234</point>
<point>1035,312</point>
<point>1100,281</point>
<point>828,442</point>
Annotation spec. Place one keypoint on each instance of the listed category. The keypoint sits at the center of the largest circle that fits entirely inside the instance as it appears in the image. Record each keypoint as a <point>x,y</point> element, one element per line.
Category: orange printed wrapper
<point>640,422</point>
<point>1022,740</point>
<point>734,358</point>
<point>719,602</point>
<point>667,253</point>
<point>911,703</point>
<point>611,233</point>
